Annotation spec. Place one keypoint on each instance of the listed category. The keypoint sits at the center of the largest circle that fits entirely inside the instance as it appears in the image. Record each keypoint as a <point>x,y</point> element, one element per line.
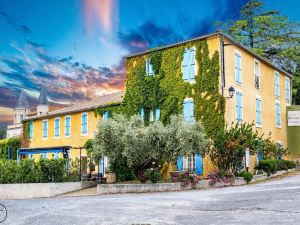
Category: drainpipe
<point>222,65</point>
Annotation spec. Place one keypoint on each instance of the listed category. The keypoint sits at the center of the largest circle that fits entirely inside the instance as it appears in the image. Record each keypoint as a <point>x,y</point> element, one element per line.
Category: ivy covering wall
<point>167,89</point>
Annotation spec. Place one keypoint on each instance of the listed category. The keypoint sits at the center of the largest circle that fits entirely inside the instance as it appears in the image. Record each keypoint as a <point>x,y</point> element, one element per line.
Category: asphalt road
<point>274,202</point>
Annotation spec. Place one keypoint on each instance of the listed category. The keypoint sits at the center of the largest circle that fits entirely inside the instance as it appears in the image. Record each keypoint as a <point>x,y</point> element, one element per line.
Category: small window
<point>287,89</point>
<point>188,65</point>
<point>57,127</point>
<point>278,115</point>
<point>238,67</point>
<point>105,115</point>
<point>257,74</point>
<point>68,126</point>
<point>239,106</point>
<point>84,123</point>
<point>258,111</point>
<point>277,84</point>
<point>190,163</point>
<point>31,130</point>
<point>188,110</point>
<point>149,68</point>
<point>45,129</point>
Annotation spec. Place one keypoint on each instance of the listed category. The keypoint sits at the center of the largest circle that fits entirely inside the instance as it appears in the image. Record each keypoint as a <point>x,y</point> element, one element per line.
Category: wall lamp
<point>231,92</point>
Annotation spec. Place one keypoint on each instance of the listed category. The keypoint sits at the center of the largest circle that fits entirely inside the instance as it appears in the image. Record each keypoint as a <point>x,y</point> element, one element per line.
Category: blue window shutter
<point>105,115</point>
<point>56,155</point>
<point>191,111</point>
<point>147,67</point>
<point>260,155</point>
<point>180,163</point>
<point>102,166</point>
<point>186,110</point>
<point>185,65</point>
<point>238,106</point>
<point>199,164</point>
<point>157,113</point>
<point>191,64</point>
<point>142,114</point>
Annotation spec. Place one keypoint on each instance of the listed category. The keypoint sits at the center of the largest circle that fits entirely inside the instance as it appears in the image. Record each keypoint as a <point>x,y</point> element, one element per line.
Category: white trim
<point>240,91</point>
<point>258,125</point>
<point>87,123</point>
<point>57,137</point>
<point>259,83</point>
<point>67,136</point>
<point>277,101</point>
<point>46,120</point>
<point>240,54</point>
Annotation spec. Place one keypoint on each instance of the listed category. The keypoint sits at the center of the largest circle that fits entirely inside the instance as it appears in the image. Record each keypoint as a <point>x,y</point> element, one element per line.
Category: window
<point>154,115</point>
<point>31,130</point>
<point>56,155</point>
<point>44,155</point>
<point>277,87</point>
<point>188,65</point>
<point>190,163</point>
<point>188,110</point>
<point>68,126</point>
<point>105,115</point>
<point>45,129</point>
<point>239,106</point>
<point>258,111</point>
<point>256,74</point>
<point>84,123</point>
<point>238,67</point>
<point>287,89</point>
<point>149,68</point>
<point>21,117</point>
<point>57,127</point>
<point>142,113</point>
<point>278,116</point>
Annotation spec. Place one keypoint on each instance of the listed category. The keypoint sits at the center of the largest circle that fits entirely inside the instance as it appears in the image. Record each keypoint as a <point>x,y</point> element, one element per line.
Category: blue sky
<point>75,47</point>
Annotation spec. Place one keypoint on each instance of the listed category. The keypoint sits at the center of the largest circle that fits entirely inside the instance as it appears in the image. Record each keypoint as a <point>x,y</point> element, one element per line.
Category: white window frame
<point>148,63</point>
<point>258,75</point>
<point>242,119</point>
<point>258,125</point>
<point>239,53</point>
<point>278,102</point>
<point>151,115</point>
<point>67,136</point>
<point>87,123</point>
<point>45,138</point>
<point>290,97</point>
<point>57,137</point>
<point>276,72</point>
<point>186,163</point>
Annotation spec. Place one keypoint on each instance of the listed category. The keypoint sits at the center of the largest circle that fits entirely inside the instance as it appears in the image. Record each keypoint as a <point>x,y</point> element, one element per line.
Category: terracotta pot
<point>111,178</point>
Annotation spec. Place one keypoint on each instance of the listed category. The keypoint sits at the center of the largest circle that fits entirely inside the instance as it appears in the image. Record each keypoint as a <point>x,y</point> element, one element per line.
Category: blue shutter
<point>185,66</point>
<point>102,166</point>
<point>191,64</point>
<point>287,89</point>
<point>277,91</point>
<point>278,119</point>
<point>238,75</point>
<point>105,115</point>
<point>157,113</point>
<point>31,130</point>
<point>199,164</point>
<point>260,155</point>
<point>142,114</point>
<point>191,111</point>
<point>258,111</point>
<point>239,106</point>
<point>56,155</point>
<point>186,110</point>
<point>180,163</point>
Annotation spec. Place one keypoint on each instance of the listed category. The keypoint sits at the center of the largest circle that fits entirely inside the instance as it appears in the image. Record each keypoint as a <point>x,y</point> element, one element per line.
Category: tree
<point>138,145</point>
<point>229,146</point>
<point>269,34</point>
<point>2,132</point>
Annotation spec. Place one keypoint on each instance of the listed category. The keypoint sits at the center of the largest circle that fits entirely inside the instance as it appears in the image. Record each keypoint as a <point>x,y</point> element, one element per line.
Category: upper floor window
<point>258,111</point>
<point>154,115</point>
<point>84,123</point>
<point>239,106</point>
<point>238,67</point>
<point>142,113</point>
<point>287,89</point>
<point>188,110</point>
<point>278,114</point>
<point>188,65</point>
<point>257,74</point>
<point>57,127</point>
<point>277,84</point>
<point>67,126</point>
<point>45,129</point>
<point>149,68</point>
<point>31,130</point>
<point>105,115</point>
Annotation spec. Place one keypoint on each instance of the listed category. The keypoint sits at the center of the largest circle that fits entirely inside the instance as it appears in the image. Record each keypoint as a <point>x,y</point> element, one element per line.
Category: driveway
<point>273,202</point>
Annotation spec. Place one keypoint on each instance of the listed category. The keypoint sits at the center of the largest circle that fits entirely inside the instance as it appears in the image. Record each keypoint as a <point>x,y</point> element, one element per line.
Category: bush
<point>268,165</point>
<point>285,164</point>
<point>248,176</point>
<point>219,176</point>
<point>122,170</point>
<point>186,178</point>
<point>153,174</point>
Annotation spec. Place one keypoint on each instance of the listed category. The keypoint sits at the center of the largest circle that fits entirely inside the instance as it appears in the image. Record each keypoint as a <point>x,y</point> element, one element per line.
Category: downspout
<point>222,65</point>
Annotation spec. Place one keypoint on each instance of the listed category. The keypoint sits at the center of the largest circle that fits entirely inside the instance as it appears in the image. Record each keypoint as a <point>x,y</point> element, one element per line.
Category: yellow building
<point>62,132</point>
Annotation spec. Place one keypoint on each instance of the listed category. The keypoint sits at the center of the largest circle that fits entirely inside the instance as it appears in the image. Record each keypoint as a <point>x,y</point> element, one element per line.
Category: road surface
<point>273,202</point>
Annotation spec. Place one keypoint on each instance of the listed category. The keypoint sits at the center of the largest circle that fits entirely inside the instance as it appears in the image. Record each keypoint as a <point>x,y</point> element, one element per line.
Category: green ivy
<point>167,90</point>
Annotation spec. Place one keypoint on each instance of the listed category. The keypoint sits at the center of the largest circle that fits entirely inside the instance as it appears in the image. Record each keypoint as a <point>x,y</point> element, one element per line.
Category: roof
<point>43,100</point>
<point>22,101</point>
<point>210,35</point>
<point>83,106</point>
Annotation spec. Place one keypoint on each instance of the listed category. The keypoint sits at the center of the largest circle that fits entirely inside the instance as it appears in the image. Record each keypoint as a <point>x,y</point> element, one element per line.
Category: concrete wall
<point>41,190</point>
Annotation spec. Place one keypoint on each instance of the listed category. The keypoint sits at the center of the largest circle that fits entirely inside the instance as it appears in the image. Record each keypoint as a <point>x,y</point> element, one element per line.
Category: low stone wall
<point>41,190</point>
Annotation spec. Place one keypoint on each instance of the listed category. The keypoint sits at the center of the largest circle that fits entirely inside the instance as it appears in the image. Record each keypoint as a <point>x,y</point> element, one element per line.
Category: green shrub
<point>53,170</point>
<point>28,171</point>
<point>248,176</point>
<point>268,165</point>
<point>285,164</point>
<point>9,171</point>
<point>153,174</point>
<point>122,170</point>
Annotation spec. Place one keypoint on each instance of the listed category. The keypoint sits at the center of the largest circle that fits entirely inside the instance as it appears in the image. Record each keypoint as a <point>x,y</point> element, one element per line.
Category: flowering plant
<point>186,178</point>
<point>219,176</point>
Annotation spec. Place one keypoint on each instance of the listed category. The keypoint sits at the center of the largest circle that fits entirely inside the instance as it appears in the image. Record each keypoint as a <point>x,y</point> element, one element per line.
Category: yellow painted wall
<point>76,139</point>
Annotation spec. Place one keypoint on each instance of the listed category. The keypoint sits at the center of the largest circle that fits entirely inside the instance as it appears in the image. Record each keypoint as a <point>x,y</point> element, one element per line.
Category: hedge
<point>273,165</point>
<point>13,143</point>
<point>42,171</point>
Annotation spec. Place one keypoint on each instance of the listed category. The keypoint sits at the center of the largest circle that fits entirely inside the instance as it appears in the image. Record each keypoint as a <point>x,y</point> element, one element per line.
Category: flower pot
<point>111,178</point>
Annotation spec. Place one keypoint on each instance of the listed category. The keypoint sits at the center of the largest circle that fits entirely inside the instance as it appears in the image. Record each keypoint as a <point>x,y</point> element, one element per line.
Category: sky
<point>75,48</point>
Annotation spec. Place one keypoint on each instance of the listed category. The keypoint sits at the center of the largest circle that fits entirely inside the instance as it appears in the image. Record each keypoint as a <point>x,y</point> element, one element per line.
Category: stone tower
<point>22,108</point>
<point>43,105</point>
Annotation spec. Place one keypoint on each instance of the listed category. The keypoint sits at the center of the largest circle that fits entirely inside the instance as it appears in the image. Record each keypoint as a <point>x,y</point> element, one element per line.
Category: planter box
<point>41,190</point>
